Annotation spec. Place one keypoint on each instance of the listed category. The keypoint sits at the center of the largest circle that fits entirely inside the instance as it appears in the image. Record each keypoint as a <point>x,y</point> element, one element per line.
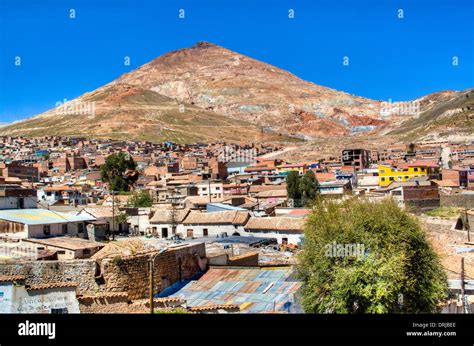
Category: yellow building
<point>285,169</point>
<point>388,174</point>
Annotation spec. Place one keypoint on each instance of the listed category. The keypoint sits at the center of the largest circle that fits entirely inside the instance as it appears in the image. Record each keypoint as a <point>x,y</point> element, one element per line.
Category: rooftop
<point>40,216</point>
<point>68,243</point>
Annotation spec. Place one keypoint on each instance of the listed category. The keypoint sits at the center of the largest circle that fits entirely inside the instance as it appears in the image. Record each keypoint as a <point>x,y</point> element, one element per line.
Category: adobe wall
<point>130,274</point>
<point>458,200</point>
<point>39,272</point>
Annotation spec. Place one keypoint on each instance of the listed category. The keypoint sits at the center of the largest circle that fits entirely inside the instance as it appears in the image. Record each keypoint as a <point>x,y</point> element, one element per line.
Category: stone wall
<point>131,274</point>
<point>128,274</point>
<point>458,200</point>
<point>121,304</point>
<point>38,272</point>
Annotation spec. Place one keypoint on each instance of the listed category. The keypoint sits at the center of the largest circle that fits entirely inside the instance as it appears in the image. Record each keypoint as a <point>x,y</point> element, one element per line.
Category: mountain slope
<point>208,93</point>
<point>127,112</point>
<point>225,95</point>
<point>451,116</point>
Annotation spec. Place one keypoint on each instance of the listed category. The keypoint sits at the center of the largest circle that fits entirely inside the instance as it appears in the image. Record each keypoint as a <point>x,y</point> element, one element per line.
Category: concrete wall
<point>293,238</point>
<point>212,230</point>
<point>36,231</point>
<point>12,203</point>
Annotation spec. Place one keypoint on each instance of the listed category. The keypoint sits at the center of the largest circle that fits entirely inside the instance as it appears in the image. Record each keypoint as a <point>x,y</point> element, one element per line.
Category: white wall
<point>12,202</point>
<point>19,300</point>
<point>212,230</point>
<point>293,238</point>
<point>36,231</point>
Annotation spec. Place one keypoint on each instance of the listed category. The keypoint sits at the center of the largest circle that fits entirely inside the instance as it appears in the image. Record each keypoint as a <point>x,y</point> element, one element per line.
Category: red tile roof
<point>7,278</point>
<point>51,285</point>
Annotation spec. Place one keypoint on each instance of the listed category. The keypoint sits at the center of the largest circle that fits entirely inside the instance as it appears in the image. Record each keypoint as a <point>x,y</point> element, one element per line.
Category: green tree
<point>309,188</point>
<point>397,271</point>
<point>141,199</point>
<point>119,172</point>
<point>293,187</point>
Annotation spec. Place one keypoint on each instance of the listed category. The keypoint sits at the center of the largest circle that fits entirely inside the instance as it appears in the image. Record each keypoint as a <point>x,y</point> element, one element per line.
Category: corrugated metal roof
<point>40,216</point>
<point>255,290</point>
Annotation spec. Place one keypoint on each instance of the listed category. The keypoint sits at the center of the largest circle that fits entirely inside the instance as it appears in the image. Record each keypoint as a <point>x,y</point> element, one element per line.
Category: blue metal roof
<point>254,290</point>
<point>40,216</point>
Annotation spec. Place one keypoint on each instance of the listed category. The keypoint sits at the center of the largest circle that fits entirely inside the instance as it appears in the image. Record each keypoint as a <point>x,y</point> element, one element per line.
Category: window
<point>64,228</point>
<point>46,229</point>
<point>284,241</point>
<point>61,252</point>
<point>218,188</point>
<point>382,171</point>
<point>204,189</point>
<point>391,179</point>
<point>415,169</point>
<point>80,228</point>
<point>189,233</point>
<point>59,311</point>
<point>383,179</point>
<point>205,232</point>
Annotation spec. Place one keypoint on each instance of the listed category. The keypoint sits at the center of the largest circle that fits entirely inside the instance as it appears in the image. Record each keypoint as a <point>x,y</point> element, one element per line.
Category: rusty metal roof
<point>254,290</point>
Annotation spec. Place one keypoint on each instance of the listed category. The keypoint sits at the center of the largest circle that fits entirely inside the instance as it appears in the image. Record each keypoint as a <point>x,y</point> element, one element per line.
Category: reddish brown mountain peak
<point>204,44</point>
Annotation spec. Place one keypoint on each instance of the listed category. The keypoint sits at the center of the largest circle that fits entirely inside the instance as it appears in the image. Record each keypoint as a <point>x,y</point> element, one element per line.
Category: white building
<point>41,223</point>
<point>216,189</point>
<point>219,223</point>
<point>17,197</point>
<point>49,298</point>
<point>287,230</point>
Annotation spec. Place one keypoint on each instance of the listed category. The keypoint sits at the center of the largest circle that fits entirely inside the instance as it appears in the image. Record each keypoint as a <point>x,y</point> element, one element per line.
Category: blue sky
<point>389,58</point>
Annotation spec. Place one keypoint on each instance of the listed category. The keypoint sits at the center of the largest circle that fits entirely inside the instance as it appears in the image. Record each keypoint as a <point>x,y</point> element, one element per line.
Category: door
<point>189,233</point>
<point>164,232</point>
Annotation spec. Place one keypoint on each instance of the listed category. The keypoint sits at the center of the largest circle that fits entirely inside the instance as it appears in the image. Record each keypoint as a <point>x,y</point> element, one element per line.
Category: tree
<point>394,270</point>
<point>293,187</point>
<point>119,172</point>
<point>309,188</point>
<point>411,148</point>
<point>141,199</point>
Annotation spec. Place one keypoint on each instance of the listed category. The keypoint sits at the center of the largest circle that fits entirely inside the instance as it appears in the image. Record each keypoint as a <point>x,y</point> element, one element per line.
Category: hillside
<point>452,117</point>
<point>209,93</point>
<point>220,89</point>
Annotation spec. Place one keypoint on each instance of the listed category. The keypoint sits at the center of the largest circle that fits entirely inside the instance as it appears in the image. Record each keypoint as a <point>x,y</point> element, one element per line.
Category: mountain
<point>448,115</point>
<point>205,93</point>
<point>209,93</point>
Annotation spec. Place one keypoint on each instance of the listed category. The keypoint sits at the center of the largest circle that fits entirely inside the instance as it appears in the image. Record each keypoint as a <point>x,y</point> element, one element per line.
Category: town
<point>104,226</point>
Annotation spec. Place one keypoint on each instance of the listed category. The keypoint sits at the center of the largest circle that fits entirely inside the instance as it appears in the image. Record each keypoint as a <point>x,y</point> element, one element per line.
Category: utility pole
<point>463,286</point>
<point>113,215</point>
<point>466,225</point>
<point>209,184</point>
